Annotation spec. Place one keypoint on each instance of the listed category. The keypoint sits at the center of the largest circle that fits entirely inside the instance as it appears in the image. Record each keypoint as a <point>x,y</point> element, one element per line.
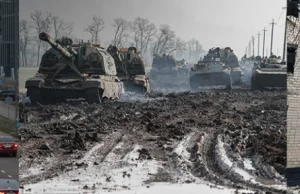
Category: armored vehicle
<point>214,70</point>
<point>182,67</point>
<point>166,72</point>
<point>210,73</point>
<point>65,72</point>
<point>269,73</point>
<point>130,69</point>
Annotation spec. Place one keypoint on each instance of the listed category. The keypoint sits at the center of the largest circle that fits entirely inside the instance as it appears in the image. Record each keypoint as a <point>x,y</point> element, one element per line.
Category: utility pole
<point>249,51</point>
<point>273,23</point>
<point>253,46</point>
<point>258,44</point>
<point>263,55</point>
<point>284,43</point>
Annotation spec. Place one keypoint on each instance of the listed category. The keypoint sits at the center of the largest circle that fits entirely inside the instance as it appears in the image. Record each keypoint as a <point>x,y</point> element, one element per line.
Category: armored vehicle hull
<point>167,73</point>
<point>208,74</point>
<point>237,76</point>
<point>167,77</point>
<point>140,84</point>
<point>272,76</point>
<point>44,91</point>
<point>130,69</point>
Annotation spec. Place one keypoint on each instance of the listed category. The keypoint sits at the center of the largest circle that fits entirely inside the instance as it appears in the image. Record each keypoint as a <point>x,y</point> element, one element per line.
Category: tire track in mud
<point>189,134</point>
<point>211,161</point>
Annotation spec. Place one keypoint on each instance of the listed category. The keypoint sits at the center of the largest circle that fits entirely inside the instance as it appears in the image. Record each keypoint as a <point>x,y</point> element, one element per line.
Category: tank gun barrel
<point>46,37</point>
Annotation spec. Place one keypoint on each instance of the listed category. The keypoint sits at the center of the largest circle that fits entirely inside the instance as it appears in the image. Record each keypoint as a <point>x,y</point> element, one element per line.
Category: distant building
<point>9,37</point>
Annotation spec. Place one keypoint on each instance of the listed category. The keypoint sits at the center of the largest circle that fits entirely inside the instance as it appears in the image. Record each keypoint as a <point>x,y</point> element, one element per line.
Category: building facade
<point>293,113</point>
<point>9,37</point>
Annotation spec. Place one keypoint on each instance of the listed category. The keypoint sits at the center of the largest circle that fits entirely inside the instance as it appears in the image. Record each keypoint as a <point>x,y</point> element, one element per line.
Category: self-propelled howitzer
<point>66,71</point>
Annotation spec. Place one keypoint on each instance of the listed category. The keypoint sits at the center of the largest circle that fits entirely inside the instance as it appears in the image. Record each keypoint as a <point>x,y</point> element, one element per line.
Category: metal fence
<point>9,37</point>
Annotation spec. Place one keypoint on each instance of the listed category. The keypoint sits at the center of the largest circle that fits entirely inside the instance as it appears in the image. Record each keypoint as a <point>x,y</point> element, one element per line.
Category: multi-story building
<point>9,37</point>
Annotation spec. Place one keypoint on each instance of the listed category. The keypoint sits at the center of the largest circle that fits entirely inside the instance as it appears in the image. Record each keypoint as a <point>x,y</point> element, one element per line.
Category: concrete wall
<point>8,111</point>
<point>293,113</point>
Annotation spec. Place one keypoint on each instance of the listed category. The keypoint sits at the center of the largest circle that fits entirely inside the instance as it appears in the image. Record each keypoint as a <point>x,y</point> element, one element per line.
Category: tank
<point>73,72</point>
<point>166,72</point>
<point>130,69</point>
<point>269,73</point>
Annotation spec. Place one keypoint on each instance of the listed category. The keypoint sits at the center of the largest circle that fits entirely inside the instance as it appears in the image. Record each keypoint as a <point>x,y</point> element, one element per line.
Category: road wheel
<point>93,96</point>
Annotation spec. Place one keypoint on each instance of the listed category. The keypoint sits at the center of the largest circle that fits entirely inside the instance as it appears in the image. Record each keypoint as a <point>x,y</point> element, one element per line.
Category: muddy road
<point>235,139</point>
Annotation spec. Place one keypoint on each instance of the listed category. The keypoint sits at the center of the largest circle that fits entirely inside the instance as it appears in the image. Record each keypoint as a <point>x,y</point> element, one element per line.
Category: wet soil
<point>214,127</point>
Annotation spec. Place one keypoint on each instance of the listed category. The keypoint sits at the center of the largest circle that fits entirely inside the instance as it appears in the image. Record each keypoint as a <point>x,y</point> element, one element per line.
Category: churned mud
<point>235,139</point>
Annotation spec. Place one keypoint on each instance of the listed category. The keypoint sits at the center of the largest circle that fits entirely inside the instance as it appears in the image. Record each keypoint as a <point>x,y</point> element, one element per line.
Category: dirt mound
<point>215,133</point>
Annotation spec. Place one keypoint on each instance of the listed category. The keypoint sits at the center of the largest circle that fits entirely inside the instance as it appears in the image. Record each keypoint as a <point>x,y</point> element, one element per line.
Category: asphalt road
<point>9,166</point>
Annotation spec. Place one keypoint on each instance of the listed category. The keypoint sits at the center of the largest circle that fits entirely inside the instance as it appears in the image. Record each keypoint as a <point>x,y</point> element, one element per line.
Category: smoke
<point>168,84</point>
<point>247,67</point>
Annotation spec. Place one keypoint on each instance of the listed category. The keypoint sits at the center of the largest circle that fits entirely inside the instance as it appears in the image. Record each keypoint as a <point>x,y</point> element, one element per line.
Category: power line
<point>281,14</point>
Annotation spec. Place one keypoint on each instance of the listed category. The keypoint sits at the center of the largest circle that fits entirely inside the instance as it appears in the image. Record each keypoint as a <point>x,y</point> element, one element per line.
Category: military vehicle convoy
<point>83,71</point>
<point>130,69</point>
<point>218,68</point>
<point>269,73</point>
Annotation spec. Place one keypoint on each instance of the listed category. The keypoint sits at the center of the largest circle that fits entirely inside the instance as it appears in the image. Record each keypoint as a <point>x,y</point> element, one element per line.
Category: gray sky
<point>213,22</point>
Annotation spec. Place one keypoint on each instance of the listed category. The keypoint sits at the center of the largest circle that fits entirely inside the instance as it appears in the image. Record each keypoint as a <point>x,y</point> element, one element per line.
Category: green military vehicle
<point>67,72</point>
<point>167,72</point>
<point>216,70</point>
<point>269,73</point>
<point>130,69</point>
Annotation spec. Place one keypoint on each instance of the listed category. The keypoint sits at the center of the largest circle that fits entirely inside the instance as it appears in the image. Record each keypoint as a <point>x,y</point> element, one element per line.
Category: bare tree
<point>121,27</point>
<point>24,40</point>
<point>58,26</point>
<point>191,45</point>
<point>198,49</point>
<point>165,40</point>
<point>95,28</point>
<point>180,48</point>
<point>143,32</point>
<point>69,28</point>
<point>42,22</point>
<point>194,49</point>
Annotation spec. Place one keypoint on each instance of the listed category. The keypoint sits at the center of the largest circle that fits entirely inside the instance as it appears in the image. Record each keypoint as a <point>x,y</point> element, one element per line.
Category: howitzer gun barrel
<point>45,37</point>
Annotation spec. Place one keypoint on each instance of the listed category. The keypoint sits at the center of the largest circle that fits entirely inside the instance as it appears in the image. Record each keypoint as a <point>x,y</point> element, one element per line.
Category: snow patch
<point>157,188</point>
<point>231,165</point>
<point>70,117</point>
<point>105,176</point>
<point>248,164</point>
<point>36,168</point>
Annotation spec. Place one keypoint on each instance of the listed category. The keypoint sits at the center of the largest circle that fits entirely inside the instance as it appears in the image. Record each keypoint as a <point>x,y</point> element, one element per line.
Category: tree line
<point>148,38</point>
